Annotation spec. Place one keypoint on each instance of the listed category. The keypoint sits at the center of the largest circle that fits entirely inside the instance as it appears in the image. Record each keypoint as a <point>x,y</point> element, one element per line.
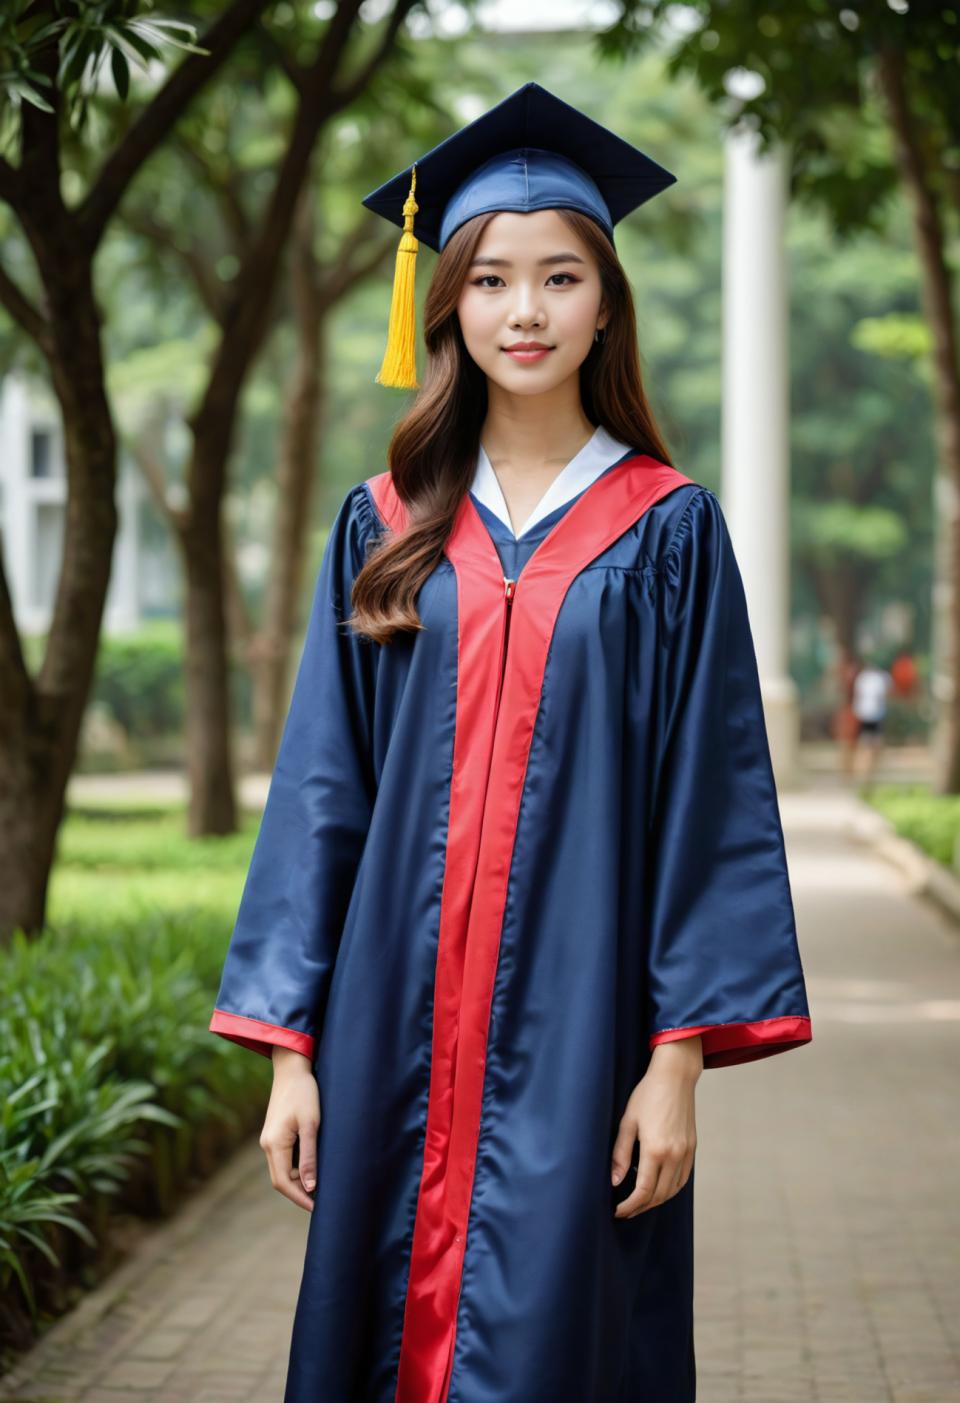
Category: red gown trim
<point>727,1043</point>
<point>496,712</point>
<point>260,1037</point>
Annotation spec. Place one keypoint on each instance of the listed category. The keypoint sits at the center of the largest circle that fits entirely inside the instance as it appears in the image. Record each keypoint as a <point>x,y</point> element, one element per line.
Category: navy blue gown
<point>500,860</point>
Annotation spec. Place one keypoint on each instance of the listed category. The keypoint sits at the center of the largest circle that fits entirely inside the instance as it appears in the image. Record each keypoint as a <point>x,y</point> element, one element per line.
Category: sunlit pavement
<point>826,1201</point>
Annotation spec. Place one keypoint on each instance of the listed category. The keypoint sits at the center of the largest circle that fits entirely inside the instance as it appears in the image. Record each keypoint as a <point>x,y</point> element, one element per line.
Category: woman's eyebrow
<point>488,262</point>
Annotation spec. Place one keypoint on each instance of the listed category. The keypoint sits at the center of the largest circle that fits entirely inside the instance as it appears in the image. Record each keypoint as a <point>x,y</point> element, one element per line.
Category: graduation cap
<point>532,151</point>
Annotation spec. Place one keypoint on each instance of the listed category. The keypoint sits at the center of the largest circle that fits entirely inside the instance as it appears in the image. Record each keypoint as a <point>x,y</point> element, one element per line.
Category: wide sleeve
<point>722,952</point>
<point>280,958</point>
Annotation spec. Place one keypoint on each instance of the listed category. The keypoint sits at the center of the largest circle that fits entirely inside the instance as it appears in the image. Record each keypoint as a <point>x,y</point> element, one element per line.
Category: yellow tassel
<point>399,366</point>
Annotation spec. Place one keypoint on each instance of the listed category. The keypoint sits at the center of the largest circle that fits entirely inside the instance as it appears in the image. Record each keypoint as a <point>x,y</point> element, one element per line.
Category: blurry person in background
<point>905,675</point>
<point>871,688</point>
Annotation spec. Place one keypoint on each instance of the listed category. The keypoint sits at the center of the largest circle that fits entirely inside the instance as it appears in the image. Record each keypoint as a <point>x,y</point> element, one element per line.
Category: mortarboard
<point>532,151</point>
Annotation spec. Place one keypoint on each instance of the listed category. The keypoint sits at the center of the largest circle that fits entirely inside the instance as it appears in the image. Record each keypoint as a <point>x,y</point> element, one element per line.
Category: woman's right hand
<point>293,1111</point>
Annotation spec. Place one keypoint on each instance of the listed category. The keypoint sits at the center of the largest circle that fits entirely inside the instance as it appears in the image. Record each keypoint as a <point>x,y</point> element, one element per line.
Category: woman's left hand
<point>660,1113</point>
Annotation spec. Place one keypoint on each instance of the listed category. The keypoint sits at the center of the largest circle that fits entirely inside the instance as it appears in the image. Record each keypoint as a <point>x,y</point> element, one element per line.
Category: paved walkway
<point>827,1213</point>
<point>826,1177</point>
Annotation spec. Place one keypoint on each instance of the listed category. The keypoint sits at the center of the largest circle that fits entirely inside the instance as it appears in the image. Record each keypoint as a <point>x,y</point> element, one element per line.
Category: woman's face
<point>532,279</point>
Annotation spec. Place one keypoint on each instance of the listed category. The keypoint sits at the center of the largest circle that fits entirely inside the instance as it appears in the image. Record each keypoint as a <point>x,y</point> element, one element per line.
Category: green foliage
<point>107,1070</point>
<point>932,821</point>
<point>43,57</point>
<point>127,862</point>
<point>805,71</point>
<point>897,336</point>
<point>140,679</point>
<point>139,682</point>
<point>862,446</point>
<point>835,528</point>
<point>120,843</point>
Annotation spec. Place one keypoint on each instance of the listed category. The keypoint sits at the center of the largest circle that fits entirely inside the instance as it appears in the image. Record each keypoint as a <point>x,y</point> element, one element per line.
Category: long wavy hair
<point>433,451</point>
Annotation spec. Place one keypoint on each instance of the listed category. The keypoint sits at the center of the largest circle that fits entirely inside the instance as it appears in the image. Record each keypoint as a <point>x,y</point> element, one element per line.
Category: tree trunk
<point>30,811</point>
<point>840,590</point>
<point>40,717</point>
<point>937,287</point>
<point>211,805</point>
<point>296,468</point>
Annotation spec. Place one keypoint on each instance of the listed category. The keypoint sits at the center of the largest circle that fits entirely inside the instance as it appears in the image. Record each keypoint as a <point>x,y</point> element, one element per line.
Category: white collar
<point>599,453</point>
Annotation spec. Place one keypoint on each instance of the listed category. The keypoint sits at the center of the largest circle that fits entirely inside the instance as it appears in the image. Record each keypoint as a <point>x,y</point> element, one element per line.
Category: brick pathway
<point>827,1218</point>
<point>827,1233</point>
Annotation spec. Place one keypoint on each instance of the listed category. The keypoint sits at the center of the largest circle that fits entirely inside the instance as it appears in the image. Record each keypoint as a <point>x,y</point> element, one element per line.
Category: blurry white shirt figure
<point>870,689</point>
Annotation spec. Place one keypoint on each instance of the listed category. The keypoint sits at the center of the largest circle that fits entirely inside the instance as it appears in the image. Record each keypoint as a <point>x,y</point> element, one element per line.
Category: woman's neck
<point>534,431</point>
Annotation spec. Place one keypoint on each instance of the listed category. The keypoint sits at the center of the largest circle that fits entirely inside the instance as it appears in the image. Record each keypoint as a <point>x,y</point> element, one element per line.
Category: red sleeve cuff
<point>727,1043</point>
<point>260,1037</point>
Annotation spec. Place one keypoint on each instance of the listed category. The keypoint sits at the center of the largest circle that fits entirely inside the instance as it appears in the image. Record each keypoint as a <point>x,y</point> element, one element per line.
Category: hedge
<point>115,1098</point>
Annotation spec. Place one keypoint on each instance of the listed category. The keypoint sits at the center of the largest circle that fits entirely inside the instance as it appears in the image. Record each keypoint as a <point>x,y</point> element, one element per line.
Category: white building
<point>33,493</point>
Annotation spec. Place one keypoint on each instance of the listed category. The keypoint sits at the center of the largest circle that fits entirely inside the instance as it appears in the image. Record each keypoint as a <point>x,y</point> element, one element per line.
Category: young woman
<point>521,875</point>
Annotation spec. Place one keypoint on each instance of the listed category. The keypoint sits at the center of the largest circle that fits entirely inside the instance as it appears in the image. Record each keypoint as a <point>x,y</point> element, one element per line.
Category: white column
<point>122,613</point>
<point>19,520</point>
<point>756,463</point>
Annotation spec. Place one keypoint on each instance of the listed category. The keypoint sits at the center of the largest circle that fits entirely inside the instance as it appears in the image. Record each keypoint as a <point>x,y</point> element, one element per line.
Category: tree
<point>320,275</point>
<point>53,53</point>
<point>824,79</point>
<point>323,85</point>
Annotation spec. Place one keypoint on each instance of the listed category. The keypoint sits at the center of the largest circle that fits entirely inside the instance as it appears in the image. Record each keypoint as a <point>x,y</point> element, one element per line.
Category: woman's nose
<point>526,309</point>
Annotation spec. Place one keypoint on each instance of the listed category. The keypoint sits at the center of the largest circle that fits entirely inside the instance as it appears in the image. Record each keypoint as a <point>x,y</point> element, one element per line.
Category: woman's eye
<point>485,279</point>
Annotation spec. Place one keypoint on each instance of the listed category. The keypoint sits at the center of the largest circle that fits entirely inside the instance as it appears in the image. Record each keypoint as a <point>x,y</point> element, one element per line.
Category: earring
<point>600,335</point>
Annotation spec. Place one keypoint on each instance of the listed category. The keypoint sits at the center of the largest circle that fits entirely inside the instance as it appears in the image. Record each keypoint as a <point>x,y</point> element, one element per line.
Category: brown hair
<point>433,451</point>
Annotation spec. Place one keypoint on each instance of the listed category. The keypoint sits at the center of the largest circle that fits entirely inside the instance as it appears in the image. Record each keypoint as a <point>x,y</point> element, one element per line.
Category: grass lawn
<point>119,863</point>
<point>932,821</point>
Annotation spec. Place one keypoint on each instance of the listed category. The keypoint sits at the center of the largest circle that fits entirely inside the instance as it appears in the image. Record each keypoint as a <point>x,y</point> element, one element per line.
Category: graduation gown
<point>500,860</point>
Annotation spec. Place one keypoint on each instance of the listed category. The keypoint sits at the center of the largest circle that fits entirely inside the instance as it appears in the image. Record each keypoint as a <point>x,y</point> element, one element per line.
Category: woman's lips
<point>529,355</point>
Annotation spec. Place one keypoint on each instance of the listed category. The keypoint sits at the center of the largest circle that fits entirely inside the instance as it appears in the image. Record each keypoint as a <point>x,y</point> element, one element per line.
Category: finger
<point>669,1185</point>
<point>687,1168</point>
<point>622,1151</point>
<point>680,1175</point>
<point>663,1187</point>
<point>648,1174</point>
<point>284,1178</point>
<point>308,1154</point>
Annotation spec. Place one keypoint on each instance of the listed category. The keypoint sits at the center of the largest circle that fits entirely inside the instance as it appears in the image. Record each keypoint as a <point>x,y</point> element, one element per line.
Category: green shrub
<point>138,700</point>
<point>112,1090</point>
<point>139,678</point>
<point>932,821</point>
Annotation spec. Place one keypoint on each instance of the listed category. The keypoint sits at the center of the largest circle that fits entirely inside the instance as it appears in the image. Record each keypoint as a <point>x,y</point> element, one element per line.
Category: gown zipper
<point>509,589</point>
